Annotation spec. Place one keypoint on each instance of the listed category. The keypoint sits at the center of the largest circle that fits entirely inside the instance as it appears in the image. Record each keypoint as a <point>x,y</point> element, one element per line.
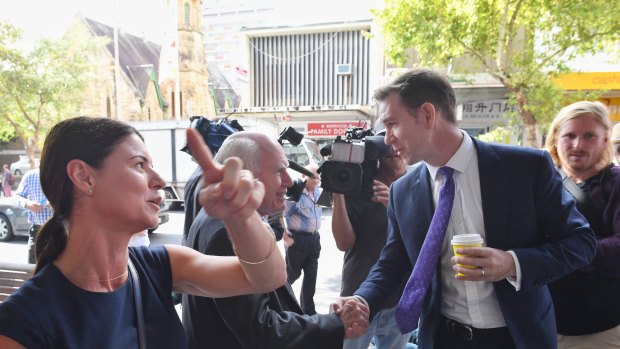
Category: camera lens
<point>341,177</point>
<point>344,175</point>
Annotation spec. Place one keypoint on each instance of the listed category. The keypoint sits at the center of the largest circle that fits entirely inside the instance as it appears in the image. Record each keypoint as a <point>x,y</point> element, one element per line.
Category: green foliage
<point>43,86</point>
<point>522,43</point>
<point>498,135</point>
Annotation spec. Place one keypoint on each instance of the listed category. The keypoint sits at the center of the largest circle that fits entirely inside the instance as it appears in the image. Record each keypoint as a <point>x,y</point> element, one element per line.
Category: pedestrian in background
<point>30,196</point>
<point>90,290</point>
<point>587,302</point>
<point>494,296</point>
<point>359,226</point>
<point>303,220</point>
<point>6,181</point>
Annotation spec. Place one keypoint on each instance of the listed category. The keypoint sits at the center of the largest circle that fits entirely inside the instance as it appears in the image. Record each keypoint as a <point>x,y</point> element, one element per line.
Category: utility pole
<point>177,86</point>
<point>117,73</point>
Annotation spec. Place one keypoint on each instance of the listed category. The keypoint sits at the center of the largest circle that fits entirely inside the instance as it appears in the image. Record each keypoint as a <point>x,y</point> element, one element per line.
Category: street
<point>330,262</point>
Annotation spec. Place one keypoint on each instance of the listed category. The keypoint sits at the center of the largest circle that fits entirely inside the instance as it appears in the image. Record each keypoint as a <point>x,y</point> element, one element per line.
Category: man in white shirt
<point>511,196</point>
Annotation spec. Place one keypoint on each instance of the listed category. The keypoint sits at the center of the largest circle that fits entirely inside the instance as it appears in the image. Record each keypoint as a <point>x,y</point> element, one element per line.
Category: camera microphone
<point>297,167</point>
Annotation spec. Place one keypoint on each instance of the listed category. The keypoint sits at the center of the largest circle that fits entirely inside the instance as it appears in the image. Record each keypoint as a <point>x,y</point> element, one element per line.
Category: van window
<point>314,151</point>
<point>296,153</point>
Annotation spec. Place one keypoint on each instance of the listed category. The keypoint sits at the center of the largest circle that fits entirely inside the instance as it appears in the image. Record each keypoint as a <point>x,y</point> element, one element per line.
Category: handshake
<point>354,315</point>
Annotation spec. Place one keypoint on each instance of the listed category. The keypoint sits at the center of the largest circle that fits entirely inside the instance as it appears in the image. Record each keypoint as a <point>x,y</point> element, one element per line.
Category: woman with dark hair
<point>97,175</point>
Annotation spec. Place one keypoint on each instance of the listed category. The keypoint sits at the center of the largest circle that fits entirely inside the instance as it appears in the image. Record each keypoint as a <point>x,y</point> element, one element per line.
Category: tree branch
<point>500,39</point>
<point>477,55</point>
<point>18,131</point>
<point>22,108</point>
<point>511,28</point>
<point>564,48</point>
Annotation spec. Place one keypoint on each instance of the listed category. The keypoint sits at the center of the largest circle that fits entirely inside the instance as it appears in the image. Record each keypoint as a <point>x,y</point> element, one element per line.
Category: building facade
<point>315,78</point>
<point>187,54</point>
<point>150,74</point>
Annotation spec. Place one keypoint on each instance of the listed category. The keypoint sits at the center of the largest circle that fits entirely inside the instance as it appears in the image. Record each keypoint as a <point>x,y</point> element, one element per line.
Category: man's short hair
<point>419,86</point>
<point>243,145</point>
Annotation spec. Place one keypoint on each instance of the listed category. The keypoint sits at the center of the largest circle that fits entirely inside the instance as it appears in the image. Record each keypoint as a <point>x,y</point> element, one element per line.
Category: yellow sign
<point>613,104</point>
<point>589,81</point>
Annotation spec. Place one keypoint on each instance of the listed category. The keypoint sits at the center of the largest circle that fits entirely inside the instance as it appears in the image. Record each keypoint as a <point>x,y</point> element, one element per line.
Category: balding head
<point>265,158</point>
<point>251,147</point>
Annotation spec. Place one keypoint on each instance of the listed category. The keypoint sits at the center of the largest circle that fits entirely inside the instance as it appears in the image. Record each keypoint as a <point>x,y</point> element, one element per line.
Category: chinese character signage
<point>491,110</point>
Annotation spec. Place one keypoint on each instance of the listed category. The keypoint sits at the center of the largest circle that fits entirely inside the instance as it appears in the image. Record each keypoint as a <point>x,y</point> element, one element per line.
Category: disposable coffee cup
<point>466,241</point>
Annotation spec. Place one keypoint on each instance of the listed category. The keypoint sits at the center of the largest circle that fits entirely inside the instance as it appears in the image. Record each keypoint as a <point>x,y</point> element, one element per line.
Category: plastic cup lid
<point>466,239</point>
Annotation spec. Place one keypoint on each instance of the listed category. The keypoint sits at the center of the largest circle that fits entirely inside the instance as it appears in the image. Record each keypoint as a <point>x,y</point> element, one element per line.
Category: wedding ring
<point>481,272</point>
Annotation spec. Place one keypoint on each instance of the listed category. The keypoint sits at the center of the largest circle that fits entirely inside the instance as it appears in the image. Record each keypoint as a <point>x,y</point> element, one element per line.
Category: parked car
<point>22,165</point>
<point>163,216</point>
<point>14,219</point>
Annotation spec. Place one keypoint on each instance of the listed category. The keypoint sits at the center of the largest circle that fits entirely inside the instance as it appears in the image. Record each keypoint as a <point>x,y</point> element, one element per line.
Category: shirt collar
<point>460,160</point>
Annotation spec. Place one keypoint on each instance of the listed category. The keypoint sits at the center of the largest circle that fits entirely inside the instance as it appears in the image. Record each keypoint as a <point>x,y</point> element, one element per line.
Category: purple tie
<point>410,305</point>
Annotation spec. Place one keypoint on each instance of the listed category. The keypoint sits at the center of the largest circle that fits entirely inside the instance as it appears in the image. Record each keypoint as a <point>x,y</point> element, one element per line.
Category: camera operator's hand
<point>380,192</point>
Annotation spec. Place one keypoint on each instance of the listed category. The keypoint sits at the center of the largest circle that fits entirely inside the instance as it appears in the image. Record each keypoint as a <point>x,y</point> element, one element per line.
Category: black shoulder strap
<point>135,280</point>
<point>572,187</point>
<point>584,202</point>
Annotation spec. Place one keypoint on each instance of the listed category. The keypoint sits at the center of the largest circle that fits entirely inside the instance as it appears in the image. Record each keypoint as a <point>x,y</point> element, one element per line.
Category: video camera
<point>354,162</point>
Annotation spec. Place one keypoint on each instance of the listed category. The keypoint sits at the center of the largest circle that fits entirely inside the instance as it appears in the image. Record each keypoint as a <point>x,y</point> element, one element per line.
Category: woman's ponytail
<point>51,241</point>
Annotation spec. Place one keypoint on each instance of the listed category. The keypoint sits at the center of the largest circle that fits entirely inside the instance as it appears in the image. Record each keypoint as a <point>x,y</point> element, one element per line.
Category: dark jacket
<point>588,300</point>
<point>525,210</point>
<point>269,320</point>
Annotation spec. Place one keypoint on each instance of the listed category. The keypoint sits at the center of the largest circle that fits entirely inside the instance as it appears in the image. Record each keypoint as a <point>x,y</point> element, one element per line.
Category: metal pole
<point>177,87</point>
<point>117,73</point>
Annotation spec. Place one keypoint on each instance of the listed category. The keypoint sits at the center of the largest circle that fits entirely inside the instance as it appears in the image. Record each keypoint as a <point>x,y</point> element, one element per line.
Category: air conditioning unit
<point>343,69</point>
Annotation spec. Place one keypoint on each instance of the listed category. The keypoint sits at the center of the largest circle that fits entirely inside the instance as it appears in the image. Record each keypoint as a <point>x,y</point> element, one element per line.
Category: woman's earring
<point>90,190</point>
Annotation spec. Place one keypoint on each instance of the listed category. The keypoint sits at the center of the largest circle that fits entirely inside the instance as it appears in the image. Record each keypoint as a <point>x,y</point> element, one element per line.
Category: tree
<point>43,86</point>
<point>524,44</point>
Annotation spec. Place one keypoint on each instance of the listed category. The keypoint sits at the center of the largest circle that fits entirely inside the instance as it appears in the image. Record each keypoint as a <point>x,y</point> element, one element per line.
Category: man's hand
<point>229,191</point>
<point>33,206</point>
<point>288,240</point>
<point>354,315</point>
<point>491,264</point>
<point>380,192</point>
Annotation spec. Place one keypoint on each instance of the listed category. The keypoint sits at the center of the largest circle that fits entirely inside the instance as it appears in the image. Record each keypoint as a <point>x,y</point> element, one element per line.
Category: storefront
<point>606,82</point>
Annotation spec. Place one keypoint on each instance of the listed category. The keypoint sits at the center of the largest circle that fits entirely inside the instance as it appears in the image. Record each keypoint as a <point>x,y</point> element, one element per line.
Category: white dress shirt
<point>468,302</point>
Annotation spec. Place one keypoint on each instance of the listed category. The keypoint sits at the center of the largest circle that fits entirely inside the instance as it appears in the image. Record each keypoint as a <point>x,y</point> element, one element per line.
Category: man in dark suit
<point>270,320</point>
<point>511,196</point>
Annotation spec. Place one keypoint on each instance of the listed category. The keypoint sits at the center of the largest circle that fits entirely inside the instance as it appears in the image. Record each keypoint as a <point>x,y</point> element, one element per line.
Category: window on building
<point>186,9</point>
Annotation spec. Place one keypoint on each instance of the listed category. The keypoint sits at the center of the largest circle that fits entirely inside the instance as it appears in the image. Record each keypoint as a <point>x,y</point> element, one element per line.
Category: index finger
<point>212,171</point>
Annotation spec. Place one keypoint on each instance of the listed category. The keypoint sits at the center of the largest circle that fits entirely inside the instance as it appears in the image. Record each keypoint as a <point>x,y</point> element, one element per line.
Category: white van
<point>307,152</point>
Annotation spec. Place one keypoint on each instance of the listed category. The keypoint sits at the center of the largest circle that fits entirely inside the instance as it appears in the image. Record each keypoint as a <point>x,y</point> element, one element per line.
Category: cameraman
<point>303,219</point>
<point>360,228</point>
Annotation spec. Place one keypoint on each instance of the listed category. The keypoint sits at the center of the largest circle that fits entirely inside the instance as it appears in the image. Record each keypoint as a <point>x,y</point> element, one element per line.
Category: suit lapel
<point>422,206</point>
<point>494,185</point>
